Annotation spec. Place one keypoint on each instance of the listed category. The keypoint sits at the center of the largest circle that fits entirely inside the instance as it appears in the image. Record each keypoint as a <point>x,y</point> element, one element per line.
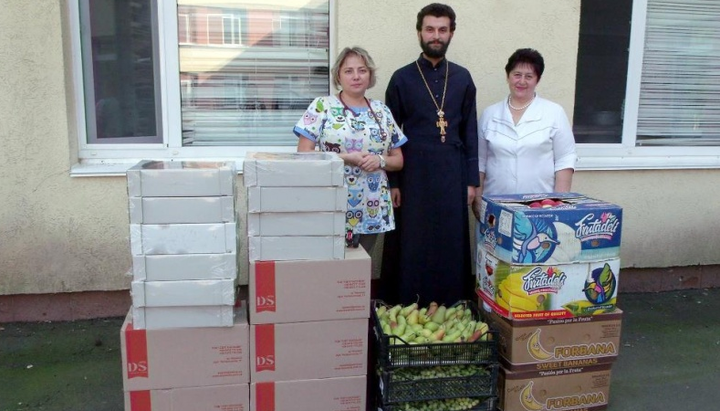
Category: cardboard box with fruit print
<point>555,343</point>
<point>567,389</point>
<point>555,228</point>
<point>538,291</point>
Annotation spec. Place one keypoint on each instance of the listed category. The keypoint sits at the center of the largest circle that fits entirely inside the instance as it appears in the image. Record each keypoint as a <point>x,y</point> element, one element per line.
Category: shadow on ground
<point>669,358</point>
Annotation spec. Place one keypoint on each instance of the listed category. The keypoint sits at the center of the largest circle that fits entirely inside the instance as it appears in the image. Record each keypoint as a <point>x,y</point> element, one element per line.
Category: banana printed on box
<point>525,291</point>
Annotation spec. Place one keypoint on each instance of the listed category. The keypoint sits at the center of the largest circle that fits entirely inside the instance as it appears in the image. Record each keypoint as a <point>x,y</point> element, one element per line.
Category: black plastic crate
<point>437,383</point>
<point>393,352</point>
<point>454,404</point>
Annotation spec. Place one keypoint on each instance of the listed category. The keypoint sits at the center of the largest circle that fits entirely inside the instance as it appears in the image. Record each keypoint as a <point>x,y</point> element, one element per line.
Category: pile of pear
<point>432,324</point>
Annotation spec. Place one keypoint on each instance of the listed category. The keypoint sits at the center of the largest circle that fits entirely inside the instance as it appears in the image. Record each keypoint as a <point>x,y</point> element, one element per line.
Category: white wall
<point>488,32</point>
<point>62,234</point>
<point>57,234</point>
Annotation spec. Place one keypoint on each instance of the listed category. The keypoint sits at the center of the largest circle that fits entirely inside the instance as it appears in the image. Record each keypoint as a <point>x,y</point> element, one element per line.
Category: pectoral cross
<point>441,124</point>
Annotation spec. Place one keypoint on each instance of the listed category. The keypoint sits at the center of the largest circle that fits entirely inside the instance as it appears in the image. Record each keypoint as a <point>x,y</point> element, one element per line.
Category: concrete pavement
<point>669,358</point>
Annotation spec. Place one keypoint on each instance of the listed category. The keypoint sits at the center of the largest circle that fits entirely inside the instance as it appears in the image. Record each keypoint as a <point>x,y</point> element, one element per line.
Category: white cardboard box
<point>296,248</point>
<point>327,394</point>
<point>160,318</point>
<point>296,199</point>
<point>308,350</point>
<point>293,224</point>
<point>154,239</point>
<point>310,290</point>
<point>185,267</point>
<point>235,397</point>
<point>183,293</point>
<point>293,169</point>
<point>185,357</point>
<point>181,179</point>
<point>181,210</point>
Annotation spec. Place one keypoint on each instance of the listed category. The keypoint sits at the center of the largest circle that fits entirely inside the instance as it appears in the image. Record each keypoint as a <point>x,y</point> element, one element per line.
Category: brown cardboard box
<point>310,290</point>
<point>185,357</point>
<point>308,350</point>
<point>327,394</point>
<point>567,389</point>
<point>234,397</point>
<point>527,345</point>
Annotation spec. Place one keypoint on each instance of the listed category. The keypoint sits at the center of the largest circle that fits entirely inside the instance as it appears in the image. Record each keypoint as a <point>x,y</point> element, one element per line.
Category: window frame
<point>626,155</point>
<point>113,159</point>
<point>235,29</point>
<point>623,156</point>
<point>185,17</point>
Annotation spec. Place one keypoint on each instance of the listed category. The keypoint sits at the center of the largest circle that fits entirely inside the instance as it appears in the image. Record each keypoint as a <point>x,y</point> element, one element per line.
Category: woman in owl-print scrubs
<point>364,134</point>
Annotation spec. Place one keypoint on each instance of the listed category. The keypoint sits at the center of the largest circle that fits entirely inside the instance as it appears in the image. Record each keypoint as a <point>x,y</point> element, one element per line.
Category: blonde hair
<point>344,54</point>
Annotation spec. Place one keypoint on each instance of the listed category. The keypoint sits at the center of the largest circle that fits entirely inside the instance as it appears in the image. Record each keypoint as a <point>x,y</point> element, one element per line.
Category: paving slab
<point>669,358</point>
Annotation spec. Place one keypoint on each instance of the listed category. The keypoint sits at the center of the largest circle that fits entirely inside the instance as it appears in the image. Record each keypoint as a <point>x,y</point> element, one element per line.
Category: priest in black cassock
<point>428,255</point>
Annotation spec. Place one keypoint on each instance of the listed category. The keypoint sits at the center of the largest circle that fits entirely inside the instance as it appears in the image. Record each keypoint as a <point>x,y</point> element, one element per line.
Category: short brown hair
<point>357,51</point>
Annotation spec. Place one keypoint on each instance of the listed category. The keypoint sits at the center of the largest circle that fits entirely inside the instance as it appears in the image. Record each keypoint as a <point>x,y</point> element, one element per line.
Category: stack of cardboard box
<point>296,206</point>
<point>185,341</point>
<point>309,297</point>
<point>548,268</point>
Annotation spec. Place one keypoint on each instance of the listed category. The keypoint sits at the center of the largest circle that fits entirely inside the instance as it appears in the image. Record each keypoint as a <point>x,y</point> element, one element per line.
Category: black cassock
<point>428,254</point>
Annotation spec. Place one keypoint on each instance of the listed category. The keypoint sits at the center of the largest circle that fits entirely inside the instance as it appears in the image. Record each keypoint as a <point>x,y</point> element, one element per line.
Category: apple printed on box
<point>554,228</point>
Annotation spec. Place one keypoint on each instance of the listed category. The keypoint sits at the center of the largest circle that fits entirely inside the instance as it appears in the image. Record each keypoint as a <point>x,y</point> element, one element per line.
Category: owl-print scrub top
<point>336,129</point>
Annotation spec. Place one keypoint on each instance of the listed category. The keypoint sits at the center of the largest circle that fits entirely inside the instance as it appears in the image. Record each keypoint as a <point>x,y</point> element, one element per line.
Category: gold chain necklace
<point>441,123</point>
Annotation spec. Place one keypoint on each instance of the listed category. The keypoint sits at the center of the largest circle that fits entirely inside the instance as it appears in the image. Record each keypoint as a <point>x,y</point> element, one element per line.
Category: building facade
<point>91,87</point>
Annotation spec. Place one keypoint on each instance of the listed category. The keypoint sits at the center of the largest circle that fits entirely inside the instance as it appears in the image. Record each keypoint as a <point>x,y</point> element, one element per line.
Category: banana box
<point>554,228</point>
<point>541,345</point>
<point>539,291</point>
<point>567,389</point>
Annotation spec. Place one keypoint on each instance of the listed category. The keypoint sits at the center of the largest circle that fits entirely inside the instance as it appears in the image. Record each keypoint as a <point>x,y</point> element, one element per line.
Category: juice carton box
<point>555,228</point>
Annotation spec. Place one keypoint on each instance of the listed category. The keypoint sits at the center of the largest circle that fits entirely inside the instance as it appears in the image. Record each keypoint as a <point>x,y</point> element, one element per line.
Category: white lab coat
<point>523,158</point>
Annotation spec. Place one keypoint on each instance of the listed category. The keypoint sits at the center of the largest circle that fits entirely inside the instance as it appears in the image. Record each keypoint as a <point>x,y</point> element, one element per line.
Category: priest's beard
<point>434,53</point>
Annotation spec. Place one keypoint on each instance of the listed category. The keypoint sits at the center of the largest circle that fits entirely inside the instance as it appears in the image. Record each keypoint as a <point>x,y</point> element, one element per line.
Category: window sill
<point>590,158</point>
<point>599,157</point>
<point>118,168</point>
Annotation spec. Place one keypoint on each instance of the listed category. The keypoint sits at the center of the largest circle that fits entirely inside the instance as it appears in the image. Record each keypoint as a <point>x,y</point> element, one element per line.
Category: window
<point>197,78</point>
<point>667,104</point>
<point>120,72</point>
<point>183,28</point>
<point>680,88</point>
<point>231,29</point>
<point>601,70</point>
